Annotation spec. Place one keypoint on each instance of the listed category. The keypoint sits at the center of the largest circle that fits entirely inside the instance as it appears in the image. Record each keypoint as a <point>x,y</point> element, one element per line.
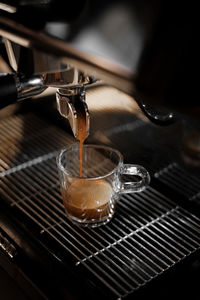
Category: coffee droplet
<point>88,199</point>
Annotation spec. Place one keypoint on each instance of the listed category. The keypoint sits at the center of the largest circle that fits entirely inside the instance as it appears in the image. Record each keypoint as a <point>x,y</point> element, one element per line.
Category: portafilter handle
<point>158,115</point>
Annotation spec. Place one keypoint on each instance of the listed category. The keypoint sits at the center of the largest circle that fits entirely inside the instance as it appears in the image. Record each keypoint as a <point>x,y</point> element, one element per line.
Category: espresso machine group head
<point>38,60</point>
<point>32,71</point>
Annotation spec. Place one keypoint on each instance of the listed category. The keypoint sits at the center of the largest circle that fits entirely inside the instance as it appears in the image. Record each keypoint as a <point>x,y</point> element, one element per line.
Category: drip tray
<point>148,235</point>
<point>180,180</point>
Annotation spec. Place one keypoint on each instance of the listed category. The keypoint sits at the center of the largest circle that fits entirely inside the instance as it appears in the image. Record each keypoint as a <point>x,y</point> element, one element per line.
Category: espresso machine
<point>131,67</point>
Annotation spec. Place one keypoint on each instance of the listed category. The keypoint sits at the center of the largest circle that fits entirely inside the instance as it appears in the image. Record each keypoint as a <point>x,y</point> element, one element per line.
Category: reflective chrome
<point>148,235</point>
<point>29,87</point>
<point>173,175</point>
<point>7,246</point>
<point>49,55</point>
<point>68,101</point>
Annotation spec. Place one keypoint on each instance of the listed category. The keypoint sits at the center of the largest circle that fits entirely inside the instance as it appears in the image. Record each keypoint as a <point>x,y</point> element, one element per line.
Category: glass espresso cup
<point>91,200</point>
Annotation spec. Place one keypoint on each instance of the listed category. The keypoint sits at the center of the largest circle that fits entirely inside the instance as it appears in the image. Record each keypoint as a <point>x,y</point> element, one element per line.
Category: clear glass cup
<point>91,200</point>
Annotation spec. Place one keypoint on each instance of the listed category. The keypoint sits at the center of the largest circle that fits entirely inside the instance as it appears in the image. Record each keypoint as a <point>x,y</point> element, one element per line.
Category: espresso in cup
<point>89,199</point>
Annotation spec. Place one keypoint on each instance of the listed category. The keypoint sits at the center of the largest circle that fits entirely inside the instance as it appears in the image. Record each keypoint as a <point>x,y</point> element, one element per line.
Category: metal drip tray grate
<point>180,180</point>
<point>148,234</point>
<point>26,137</point>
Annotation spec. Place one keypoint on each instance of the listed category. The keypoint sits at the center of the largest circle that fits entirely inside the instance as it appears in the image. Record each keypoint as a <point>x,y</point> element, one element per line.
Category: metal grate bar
<point>12,132</point>
<point>22,143</point>
<point>158,229</point>
<point>172,250</point>
<point>95,249</point>
<point>138,272</point>
<point>144,215</point>
<point>57,224</point>
<point>117,258</point>
<point>159,211</point>
<point>175,237</point>
<point>169,245</point>
<point>148,234</point>
<point>184,231</point>
<point>190,217</point>
<point>122,232</point>
<point>174,176</point>
<point>178,233</point>
<point>192,179</point>
<point>172,181</point>
<point>119,277</point>
<point>110,287</point>
<point>163,225</point>
<point>189,227</point>
<point>41,139</point>
<point>138,233</point>
<point>110,245</point>
<point>147,261</point>
<point>106,257</point>
<point>135,234</point>
<point>61,235</point>
<point>16,128</point>
<point>30,163</point>
<point>133,218</point>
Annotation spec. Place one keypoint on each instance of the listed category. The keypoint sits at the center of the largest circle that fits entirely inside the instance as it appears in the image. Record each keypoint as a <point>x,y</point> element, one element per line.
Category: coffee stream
<point>87,199</point>
<point>82,135</point>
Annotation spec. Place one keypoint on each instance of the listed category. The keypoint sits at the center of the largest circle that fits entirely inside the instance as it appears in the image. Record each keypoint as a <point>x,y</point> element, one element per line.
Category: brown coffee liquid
<point>88,199</point>
<point>82,135</point>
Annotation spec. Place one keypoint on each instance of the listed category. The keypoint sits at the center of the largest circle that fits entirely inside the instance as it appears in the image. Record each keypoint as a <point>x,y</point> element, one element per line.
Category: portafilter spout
<point>70,103</point>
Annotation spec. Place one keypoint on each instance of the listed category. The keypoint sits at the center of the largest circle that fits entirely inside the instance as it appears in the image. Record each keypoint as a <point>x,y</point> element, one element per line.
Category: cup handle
<point>133,187</point>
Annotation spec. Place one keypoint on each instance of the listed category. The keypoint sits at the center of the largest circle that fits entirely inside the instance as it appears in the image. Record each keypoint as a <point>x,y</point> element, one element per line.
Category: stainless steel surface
<point>48,69</point>
<point>148,235</point>
<point>70,103</point>
<point>7,246</point>
<point>135,35</point>
<point>46,55</point>
<point>27,138</point>
<point>183,181</point>
<point>29,87</point>
<point>90,65</point>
